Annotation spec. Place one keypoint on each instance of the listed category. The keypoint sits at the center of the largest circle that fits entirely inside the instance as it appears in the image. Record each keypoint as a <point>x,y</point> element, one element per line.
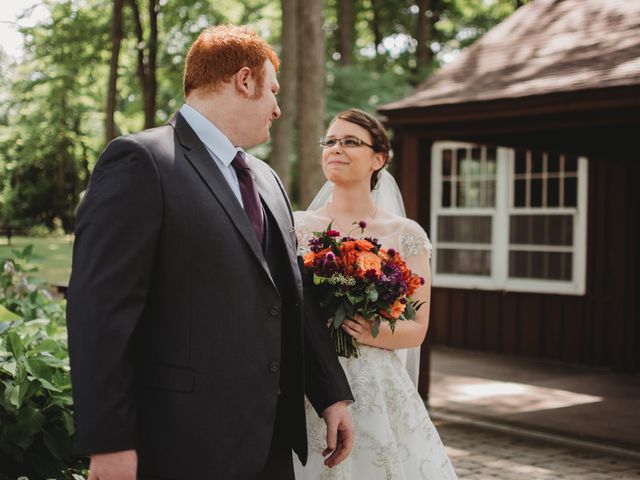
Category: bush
<point>36,423</point>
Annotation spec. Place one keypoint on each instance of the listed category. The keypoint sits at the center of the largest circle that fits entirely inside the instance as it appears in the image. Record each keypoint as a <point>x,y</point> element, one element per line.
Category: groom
<point>189,358</point>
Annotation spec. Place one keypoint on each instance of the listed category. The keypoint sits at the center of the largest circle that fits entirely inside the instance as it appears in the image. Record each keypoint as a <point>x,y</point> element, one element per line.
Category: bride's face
<point>353,163</point>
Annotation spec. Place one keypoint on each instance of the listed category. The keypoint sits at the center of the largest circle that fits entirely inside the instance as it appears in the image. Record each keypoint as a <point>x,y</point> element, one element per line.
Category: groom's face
<point>263,108</point>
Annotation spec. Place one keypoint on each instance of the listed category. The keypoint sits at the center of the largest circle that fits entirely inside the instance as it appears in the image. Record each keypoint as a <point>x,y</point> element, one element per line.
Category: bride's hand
<point>359,328</point>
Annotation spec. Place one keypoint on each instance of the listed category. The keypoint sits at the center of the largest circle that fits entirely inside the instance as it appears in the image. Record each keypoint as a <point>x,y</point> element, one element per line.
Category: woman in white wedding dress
<point>395,439</point>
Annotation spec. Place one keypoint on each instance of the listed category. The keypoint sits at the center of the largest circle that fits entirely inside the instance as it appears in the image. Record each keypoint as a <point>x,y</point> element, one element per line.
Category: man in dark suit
<point>188,354</point>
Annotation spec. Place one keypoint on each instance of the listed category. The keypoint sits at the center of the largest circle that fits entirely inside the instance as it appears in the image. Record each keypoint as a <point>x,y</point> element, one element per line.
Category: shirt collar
<point>210,135</point>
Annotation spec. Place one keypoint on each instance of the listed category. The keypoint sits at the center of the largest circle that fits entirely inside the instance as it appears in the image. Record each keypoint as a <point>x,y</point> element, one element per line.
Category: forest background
<point>95,69</point>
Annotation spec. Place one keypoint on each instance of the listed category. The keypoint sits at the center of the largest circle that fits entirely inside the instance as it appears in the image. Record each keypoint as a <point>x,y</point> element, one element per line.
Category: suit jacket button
<point>274,367</point>
<point>274,311</point>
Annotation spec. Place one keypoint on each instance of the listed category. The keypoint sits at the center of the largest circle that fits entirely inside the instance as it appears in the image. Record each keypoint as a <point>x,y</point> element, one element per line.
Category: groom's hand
<point>339,433</point>
<point>114,466</point>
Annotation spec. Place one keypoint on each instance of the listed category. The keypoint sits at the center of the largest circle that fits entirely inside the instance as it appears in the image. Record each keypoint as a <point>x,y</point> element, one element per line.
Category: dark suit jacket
<point>175,321</point>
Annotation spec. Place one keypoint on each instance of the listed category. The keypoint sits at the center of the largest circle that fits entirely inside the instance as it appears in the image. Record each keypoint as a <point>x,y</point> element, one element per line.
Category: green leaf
<point>318,280</point>
<point>9,367</point>
<point>339,316</point>
<point>410,312</point>
<point>375,329</point>
<point>59,443</point>
<point>27,251</point>
<point>14,344</point>
<point>355,299</point>
<point>7,316</point>
<point>373,295</point>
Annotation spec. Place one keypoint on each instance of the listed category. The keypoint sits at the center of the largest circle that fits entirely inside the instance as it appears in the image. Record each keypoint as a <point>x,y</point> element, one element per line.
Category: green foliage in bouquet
<point>36,424</point>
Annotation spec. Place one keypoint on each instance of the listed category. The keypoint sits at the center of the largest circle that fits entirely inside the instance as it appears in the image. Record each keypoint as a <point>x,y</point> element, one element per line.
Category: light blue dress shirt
<point>218,145</point>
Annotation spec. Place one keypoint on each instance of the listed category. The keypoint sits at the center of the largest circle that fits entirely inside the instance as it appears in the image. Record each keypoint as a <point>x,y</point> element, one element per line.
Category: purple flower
<point>391,252</point>
<point>362,224</point>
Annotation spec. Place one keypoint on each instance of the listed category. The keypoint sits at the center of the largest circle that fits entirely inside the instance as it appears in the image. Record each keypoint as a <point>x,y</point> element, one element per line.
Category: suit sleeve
<point>117,226</point>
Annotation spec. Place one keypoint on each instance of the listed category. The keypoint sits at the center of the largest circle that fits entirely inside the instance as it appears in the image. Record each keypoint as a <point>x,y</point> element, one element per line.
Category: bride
<point>395,438</point>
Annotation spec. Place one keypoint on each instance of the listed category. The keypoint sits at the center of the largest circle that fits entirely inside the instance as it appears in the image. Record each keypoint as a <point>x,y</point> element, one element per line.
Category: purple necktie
<point>250,197</point>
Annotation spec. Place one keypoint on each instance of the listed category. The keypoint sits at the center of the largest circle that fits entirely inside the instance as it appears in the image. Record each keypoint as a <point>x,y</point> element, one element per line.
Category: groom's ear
<point>244,82</point>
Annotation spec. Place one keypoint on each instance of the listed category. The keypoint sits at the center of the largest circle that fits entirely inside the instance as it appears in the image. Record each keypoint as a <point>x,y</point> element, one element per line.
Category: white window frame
<point>499,278</point>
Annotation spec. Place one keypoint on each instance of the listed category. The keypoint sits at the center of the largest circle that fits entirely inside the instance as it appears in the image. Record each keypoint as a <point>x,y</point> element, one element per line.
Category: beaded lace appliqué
<point>415,245</point>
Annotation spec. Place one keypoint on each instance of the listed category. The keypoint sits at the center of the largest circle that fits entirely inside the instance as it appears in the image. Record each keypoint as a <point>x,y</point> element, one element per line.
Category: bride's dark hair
<point>379,139</point>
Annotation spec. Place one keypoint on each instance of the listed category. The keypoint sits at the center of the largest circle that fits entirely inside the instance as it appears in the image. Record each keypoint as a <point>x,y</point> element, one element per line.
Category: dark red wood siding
<point>601,328</point>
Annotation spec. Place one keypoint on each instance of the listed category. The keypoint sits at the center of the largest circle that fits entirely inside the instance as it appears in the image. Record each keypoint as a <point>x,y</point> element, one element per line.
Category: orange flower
<point>309,258</point>
<point>382,253</point>
<point>368,261</point>
<point>396,310</point>
<point>413,283</point>
<point>364,245</point>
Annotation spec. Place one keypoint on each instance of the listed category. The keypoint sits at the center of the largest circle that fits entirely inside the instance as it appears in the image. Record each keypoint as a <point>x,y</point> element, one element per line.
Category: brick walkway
<point>484,454</point>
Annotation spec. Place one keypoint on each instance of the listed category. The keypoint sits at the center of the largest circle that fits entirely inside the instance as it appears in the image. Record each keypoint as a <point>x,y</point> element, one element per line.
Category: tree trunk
<point>346,30</point>
<point>147,59</point>
<point>424,34</point>
<point>376,24</point>
<point>116,41</point>
<point>152,80</point>
<point>310,98</point>
<point>284,128</point>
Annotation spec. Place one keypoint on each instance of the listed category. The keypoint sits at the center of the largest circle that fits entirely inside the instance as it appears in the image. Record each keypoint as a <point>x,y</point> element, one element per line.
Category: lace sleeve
<point>303,232</point>
<point>415,242</point>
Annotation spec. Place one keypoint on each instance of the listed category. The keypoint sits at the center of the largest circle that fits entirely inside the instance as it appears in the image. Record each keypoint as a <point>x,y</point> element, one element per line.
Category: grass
<point>52,256</point>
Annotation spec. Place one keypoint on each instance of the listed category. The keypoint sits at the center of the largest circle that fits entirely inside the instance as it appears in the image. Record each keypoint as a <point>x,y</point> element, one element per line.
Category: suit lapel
<point>273,200</point>
<point>200,159</point>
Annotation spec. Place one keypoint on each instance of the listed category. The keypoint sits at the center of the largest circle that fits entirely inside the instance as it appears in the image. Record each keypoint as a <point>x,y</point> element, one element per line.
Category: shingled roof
<point>546,46</point>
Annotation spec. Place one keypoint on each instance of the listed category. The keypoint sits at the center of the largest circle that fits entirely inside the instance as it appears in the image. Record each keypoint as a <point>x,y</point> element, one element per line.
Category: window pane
<point>570,192</point>
<point>490,193</point>
<point>461,156</point>
<point>446,194</point>
<point>490,168</point>
<point>467,262</point>
<point>475,153</point>
<point>553,230</point>
<point>553,163</point>
<point>541,265</point>
<point>472,193</point>
<point>466,229</point>
<point>469,168</point>
<point>536,162</point>
<point>521,161</point>
<point>559,266</point>
<point>460,194</point>
<point>491,154</point>
<point>536,192</point>
<point>570,164</point>
<point>520,193</point>
<point>446,162</point>
<point>560,228</point>
<point>553,192</point>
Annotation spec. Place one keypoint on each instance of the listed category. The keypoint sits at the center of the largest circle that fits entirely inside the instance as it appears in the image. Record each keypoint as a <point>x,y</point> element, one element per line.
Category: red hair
<point>221,51</point>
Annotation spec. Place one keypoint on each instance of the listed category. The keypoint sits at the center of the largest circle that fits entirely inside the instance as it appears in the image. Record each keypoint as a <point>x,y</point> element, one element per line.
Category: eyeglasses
<point>345,142</point>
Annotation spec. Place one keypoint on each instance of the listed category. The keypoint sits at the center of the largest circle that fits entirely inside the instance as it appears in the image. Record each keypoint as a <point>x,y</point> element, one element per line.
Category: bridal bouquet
<point>357,276</point>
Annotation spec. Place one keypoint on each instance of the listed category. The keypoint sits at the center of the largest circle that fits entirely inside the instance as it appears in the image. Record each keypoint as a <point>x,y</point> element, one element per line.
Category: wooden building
<point>521,159</point>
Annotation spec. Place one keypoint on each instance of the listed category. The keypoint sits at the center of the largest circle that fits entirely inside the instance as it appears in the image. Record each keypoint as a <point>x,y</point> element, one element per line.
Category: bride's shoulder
<point>412,237</point>
<point>308,221</point>
<point>309,217</point>
<point>402,225</point>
